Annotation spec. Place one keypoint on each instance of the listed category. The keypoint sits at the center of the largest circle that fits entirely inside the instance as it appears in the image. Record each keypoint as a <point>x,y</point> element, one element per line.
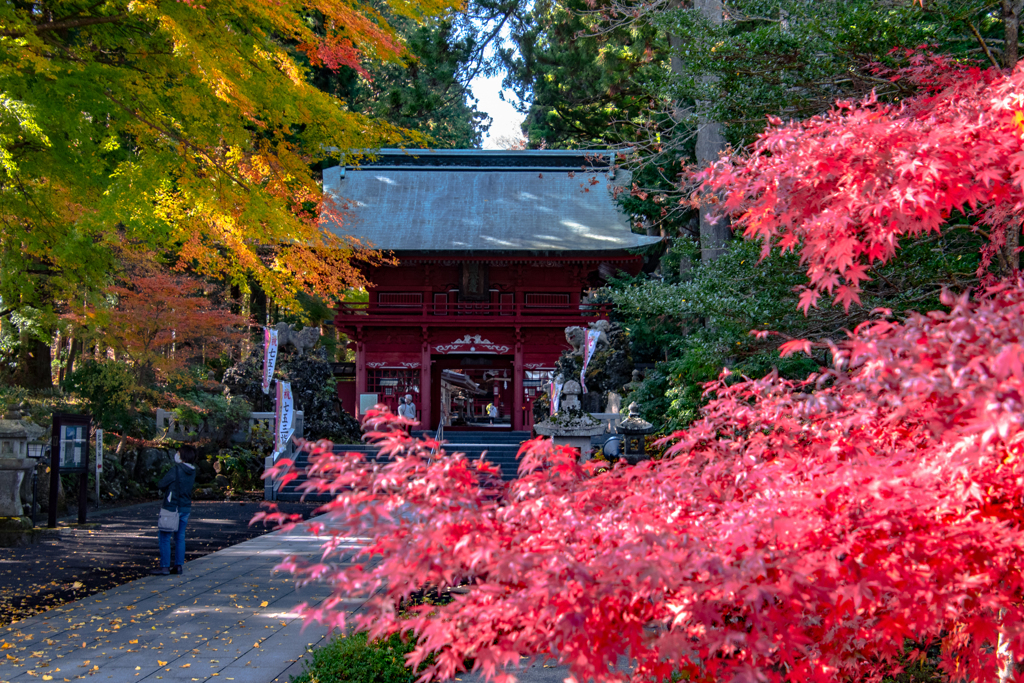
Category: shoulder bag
<point>168,520</point>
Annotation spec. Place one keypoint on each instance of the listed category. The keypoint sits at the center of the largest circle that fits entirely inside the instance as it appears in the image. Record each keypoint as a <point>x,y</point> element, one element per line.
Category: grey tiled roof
<point>476,201</point>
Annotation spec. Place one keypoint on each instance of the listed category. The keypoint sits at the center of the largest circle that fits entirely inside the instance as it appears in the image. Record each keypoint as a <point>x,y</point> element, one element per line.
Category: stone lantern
<point>15,436</point>
<point>634,429</point>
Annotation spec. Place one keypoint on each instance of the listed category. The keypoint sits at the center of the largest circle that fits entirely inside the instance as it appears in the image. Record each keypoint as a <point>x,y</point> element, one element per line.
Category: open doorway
<point>472,391</point>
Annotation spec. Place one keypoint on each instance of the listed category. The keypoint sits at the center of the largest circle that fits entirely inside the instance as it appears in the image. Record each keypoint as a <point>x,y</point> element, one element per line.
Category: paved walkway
<point>230,617</point>
<point>117,546</point>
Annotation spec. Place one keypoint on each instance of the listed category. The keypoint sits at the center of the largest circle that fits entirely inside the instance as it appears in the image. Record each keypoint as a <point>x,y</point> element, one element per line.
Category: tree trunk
<point>34,364</point>
<point>59,343</point>
<point>76,348</point>
<point>1011,31</point>
<point>714,233</point>
<point>245,310</point>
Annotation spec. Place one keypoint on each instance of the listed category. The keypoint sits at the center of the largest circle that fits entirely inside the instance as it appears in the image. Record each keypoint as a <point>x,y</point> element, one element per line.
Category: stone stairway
<point>499,448</point>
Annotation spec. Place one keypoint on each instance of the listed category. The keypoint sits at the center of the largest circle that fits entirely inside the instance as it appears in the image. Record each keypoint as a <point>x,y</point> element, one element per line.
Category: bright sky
<point>506,118</point>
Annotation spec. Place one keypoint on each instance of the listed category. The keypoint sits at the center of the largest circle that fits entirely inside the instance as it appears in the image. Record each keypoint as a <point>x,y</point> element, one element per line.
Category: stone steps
<point>498,448</point>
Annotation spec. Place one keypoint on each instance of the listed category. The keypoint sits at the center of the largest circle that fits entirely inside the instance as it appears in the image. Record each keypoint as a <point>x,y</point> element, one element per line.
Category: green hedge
<point>352,659</point>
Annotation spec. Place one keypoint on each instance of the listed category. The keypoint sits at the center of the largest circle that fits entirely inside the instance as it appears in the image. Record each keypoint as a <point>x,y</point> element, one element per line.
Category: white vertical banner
<point>284,413</point>
<point>99,462</point>
<point>588,352</point>
<point>269,357</point>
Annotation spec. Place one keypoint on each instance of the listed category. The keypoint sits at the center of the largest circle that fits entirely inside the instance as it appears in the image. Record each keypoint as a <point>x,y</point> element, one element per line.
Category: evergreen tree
<point>588,84</point>
<point>425,91</point>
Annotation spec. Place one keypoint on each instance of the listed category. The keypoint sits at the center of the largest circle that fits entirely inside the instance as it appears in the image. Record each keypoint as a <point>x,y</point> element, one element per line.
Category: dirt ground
<point>116,546</point>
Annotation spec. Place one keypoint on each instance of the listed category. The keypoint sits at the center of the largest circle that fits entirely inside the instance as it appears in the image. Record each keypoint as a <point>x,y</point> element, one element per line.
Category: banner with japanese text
<point>269,357</point>
<point>285,415</point>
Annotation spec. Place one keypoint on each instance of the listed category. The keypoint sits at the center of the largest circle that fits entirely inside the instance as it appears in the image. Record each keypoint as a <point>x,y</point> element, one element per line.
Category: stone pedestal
<point>12,471</point>
<point>570,425</point>
<point>15,528</point>
<point>580,442</point>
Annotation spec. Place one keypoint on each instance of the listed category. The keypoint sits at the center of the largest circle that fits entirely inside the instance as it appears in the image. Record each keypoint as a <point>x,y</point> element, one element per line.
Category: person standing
<point>492,412</point>
<point>410,407</point>
<point>176,488</point>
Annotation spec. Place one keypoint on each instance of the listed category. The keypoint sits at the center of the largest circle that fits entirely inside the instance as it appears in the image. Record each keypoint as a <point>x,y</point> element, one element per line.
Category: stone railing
<point>170,427</point>
<point>611,421</point>
<point>268,422</point>
<point>288,450</point>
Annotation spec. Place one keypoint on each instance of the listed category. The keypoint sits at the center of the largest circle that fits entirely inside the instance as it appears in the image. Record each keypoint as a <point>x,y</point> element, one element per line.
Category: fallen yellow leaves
<point>158,662</point>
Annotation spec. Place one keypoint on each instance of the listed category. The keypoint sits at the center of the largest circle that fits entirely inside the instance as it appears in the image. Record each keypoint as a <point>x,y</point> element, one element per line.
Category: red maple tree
<point>800,530</point>
<point>159,321</point>
<point>846,186</point>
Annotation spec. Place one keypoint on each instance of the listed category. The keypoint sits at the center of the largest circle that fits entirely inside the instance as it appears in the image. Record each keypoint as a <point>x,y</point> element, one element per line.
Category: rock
<point>206,471</point>
<point>221,481</point>
<point>16,531</point>
<point>151,462</point>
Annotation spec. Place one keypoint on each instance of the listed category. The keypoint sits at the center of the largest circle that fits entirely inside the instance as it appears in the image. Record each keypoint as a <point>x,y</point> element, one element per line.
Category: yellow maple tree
<point>189,128</point>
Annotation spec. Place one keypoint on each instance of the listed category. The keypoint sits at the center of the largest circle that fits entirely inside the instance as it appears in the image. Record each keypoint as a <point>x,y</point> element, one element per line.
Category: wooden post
<point>517,383</point>
<point>426,391</point>
<point>360,371</point>
<point>51,519</point>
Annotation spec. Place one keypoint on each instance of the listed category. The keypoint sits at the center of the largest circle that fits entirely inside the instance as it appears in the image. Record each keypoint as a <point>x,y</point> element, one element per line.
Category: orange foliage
<point>160,321</point>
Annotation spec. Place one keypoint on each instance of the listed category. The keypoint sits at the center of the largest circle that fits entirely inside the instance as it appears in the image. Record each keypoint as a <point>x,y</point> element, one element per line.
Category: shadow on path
<point>117,546</point>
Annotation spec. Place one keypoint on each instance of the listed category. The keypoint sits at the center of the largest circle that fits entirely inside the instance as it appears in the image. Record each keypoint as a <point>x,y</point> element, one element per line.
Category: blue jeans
<point>179,542</point>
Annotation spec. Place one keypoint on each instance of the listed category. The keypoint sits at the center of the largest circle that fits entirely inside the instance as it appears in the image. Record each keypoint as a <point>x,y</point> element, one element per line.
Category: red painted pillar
<point>517,385</point>
<point>426,392</point>
<point>360,371</point>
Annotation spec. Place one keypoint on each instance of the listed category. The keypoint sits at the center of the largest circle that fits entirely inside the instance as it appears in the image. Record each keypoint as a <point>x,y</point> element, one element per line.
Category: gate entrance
<point>466,385</point>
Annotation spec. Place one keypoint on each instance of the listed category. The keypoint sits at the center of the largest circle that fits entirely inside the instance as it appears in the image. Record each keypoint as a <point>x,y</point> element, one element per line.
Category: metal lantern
<point>634,430</point>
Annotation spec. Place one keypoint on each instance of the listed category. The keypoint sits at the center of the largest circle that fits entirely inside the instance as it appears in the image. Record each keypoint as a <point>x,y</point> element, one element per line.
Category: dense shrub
<point>220,415</point>
<point>110,394</point>
<point>355,659</point>
<point>243,465</point>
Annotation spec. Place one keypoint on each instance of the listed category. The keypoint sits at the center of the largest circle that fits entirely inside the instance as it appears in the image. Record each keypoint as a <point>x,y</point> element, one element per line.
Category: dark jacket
<point>177,489</point>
